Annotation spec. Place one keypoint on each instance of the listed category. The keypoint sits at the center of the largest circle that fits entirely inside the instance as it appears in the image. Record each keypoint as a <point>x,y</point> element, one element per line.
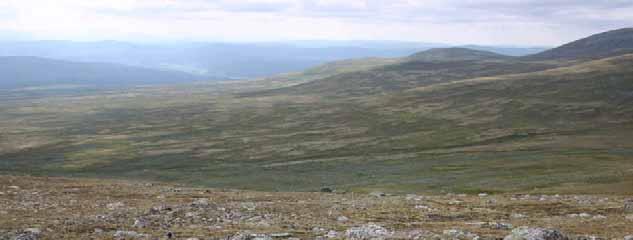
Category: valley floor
<point>62,208</point>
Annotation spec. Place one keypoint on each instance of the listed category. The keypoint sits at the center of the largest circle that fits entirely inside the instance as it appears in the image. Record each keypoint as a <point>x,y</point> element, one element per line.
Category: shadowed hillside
<point>601,45</point>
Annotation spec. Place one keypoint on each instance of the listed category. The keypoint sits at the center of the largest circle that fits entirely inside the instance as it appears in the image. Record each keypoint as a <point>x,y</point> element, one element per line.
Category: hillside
<point>543,131</point>
<point>607,44</point>
<point>16,72</point>
<point>455,54</point>
<point>408,74</point>
<point>336,68</point>
<point>413,126</point>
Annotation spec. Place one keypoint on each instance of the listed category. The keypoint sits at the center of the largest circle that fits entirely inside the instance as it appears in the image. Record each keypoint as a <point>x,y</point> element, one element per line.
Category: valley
<point>468,123</point>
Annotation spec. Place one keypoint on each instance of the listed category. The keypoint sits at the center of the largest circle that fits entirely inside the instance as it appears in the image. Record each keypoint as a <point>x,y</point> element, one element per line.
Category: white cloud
<point>455,21</point>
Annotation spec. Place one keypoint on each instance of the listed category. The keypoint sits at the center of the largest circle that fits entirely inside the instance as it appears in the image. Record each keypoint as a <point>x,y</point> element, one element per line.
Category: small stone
<point>377,194</point>
<point>424,208</point>
<point>125,234</point>
<point>201,202</point>
<point>413,197</point>
<point>628,206</point>
<point>331,234</point>
<point>280,235</point>
<point>36,231</point>
<point>14,187</point>
<point>483,195</point>
<point>192,239</point>
<point>459,234</point>
<point>630,237</point>
<point>250,206</point>
<point>589,238</point>
<point>342,219</point>
<point>368,231</point>
<point>629,217</point>
<point>141,223</point>
<point>584,215</point>
<point>98,230</point>
<point>526,233</point>
<point>27,236</point>
<point>259,237</point>
<point>518,216</point>
<point>499,226</point>
<point>116,205</point>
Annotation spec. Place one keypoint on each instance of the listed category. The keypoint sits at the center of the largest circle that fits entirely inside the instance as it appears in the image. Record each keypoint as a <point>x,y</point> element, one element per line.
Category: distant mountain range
<point>226,60</point>
<point>16,72</point>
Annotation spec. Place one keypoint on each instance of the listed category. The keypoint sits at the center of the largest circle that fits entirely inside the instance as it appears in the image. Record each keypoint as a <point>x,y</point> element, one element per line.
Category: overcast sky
<point>513,22</point>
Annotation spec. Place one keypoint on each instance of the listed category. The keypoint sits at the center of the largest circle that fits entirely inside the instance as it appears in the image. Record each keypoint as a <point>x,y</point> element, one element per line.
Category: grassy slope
<point>535,131</point>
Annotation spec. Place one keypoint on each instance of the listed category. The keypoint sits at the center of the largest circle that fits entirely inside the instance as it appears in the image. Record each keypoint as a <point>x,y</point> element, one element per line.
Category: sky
<point>486,22</point>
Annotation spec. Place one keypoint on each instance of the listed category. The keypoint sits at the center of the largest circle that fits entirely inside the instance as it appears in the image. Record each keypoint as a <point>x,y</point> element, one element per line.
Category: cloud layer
<point>525,22</point>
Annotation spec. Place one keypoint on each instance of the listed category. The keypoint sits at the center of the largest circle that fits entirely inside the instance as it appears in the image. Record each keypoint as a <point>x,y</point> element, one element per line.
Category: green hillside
<point>455,54</point>
<point>460,126</point>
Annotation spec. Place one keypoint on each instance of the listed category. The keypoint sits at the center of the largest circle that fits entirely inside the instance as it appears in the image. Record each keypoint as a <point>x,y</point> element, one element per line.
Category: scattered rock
<point>628,206</point>
<point>280,235</point>
<point>413,197</point>
<point>259,237</point>
<point>250,206</point>
<point>459,234</point>
<point>629,217</point>
<point>26,236</point>
<point>418,235</point>
<point>29,234</point>
<point>368,231</point>
<point>36,231</point>
<point>581,215</point>
<point>589,238</point>
<point>116,205</point>
<point>483,195</point>
<point>498,226</point>
<point>126,235</point>
<point>141,223</point>
<point>518,216</point>
<point>526,233</point>
<point>584,215</point>
<point>331,234</point>
<point>201,202</point>
<point>14,187</point>
<point>377,194</point>
<point>342,219</point>
<point>630,237</point>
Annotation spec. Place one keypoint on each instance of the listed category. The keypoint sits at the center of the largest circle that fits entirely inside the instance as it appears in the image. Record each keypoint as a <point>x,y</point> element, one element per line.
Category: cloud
<point>453,21</point>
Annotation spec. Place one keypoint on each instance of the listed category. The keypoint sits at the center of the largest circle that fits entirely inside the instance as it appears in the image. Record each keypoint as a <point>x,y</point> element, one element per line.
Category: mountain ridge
<point>455,54</point>
<point>605,44</point>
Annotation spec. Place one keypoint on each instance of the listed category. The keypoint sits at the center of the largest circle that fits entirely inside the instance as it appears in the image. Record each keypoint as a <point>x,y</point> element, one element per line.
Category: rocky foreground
<point>57,208</point>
